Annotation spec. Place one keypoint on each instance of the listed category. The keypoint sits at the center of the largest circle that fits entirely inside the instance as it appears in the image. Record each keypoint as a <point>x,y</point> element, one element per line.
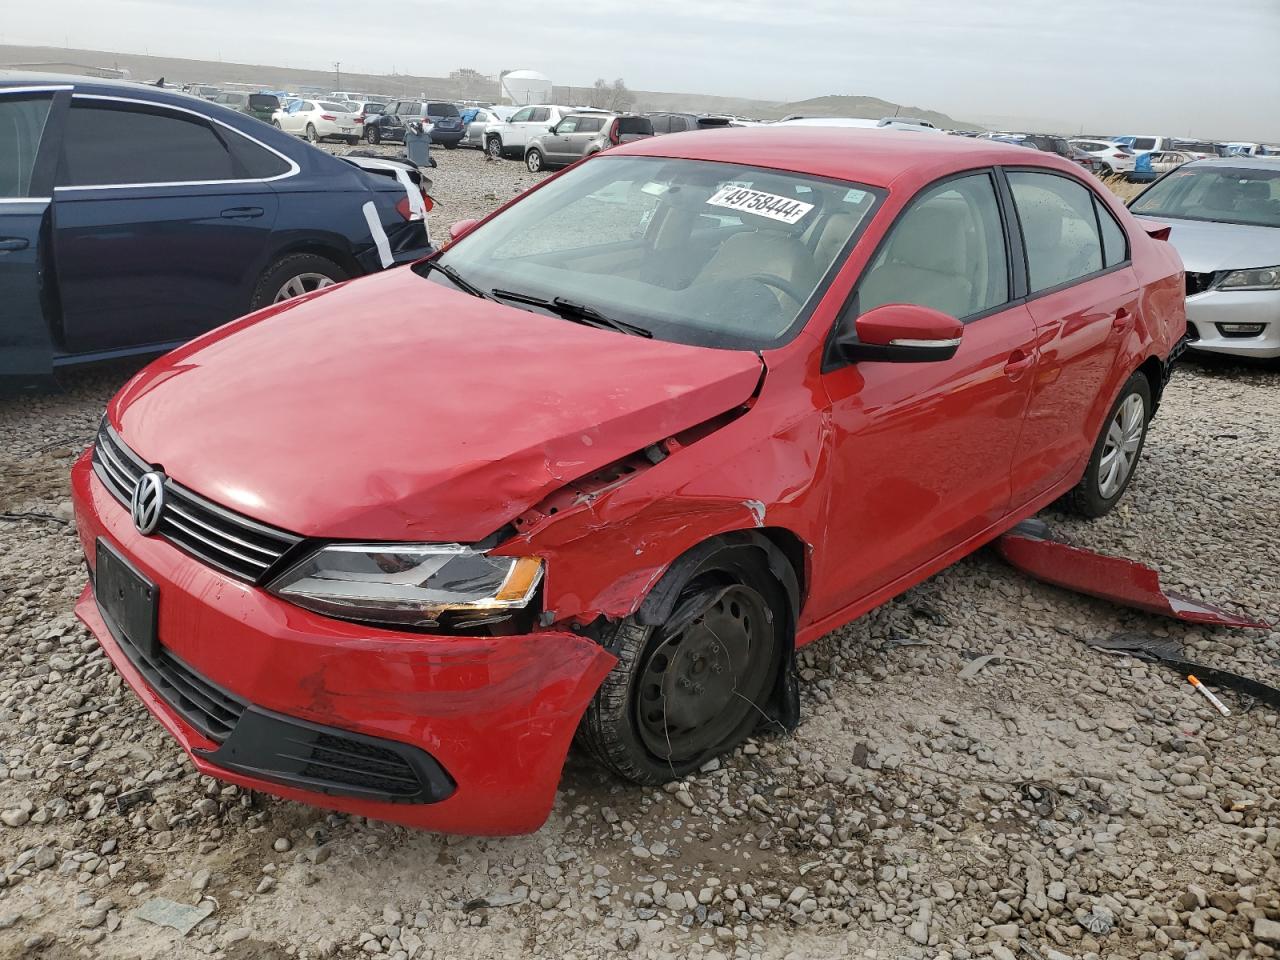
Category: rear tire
<point>534,160</point>
<point>278,277</point>
<point>1116,453</point>
<point>679,697</point>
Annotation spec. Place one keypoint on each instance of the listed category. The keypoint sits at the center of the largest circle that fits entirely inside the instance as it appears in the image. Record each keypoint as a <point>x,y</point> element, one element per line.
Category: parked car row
<point>133,218</point>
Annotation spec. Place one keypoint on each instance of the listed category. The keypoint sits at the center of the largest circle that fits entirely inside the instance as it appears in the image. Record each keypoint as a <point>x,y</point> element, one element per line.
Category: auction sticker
<point>761,204</point>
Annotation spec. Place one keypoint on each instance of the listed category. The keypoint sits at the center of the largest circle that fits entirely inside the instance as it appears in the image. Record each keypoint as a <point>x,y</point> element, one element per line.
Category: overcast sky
<point>1202,67</point>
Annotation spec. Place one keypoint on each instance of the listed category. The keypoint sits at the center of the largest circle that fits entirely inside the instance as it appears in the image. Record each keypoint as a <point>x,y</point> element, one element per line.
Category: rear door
<point>1083,296</point>
<point>28,155</point>
<point>161,220</point>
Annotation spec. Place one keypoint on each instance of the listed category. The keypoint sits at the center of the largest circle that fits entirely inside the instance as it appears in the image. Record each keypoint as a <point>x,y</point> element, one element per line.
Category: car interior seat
<point>923,262</point>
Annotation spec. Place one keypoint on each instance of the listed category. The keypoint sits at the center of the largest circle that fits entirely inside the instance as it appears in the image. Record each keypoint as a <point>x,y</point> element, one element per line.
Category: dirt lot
<point>1087,804</point>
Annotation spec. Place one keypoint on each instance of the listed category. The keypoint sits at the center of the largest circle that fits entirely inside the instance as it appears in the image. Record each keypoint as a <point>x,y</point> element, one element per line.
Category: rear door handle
<point>242,213</point>
<point>13,243</point>
<point>1018,364</point>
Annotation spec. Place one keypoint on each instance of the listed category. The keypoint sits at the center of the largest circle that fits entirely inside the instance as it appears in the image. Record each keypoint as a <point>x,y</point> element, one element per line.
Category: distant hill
<point>463,84</point>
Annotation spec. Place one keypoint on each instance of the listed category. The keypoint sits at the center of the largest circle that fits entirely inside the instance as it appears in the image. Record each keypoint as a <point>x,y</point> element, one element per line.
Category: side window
<point>255,161</point>
<point>112,145</point>
<point>1059,229</point>
<point>540,115</point>
<point>661,124</point>
<point>522,116</point>
<point>21,125</point>
<point>947,251</point>
<point>1115,245</point>
<point>679,124</point>
<point>590,124</point>
<point>567,125</point>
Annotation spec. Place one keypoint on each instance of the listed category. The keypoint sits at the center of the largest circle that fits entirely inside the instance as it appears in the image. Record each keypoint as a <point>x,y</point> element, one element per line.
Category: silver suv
<point>579,135</point>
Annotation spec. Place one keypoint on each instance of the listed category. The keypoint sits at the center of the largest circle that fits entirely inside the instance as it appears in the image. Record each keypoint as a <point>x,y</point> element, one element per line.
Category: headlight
<point>1260,278</point>
<point>409,584</point>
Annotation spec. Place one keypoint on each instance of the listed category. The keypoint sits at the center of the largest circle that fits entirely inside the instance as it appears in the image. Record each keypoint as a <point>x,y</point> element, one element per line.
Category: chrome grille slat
<point>211,533</point>
<point>187,531</point>
<point>189,518</point>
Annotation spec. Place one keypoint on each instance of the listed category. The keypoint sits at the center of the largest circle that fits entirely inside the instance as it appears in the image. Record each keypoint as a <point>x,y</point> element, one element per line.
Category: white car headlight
<point>409,584</point>
<point>1259,278</point>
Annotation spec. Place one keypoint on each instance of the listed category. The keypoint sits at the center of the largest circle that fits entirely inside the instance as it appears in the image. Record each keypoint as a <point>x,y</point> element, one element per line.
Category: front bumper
<point>1206,310</point>
<point>483,722</point>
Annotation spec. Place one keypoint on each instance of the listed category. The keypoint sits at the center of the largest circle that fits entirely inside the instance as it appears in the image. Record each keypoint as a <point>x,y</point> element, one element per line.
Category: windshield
<point>1219,193</point>
<point>706,253</point>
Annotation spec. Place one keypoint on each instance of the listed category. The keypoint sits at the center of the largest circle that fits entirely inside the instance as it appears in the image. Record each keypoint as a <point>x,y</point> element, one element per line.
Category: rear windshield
<point>264,101</point>
<point>641,126</point>
<point>1217,193</point>
<point>374,107</point>
<point>339,107</point>
<point>442,110</point>
<point>1144,143</point>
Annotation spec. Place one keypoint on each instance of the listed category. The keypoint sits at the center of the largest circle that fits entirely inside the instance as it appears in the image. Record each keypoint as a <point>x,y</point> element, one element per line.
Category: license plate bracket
<point>127,599</point>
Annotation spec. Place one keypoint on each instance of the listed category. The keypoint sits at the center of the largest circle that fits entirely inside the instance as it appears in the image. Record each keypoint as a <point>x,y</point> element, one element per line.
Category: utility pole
<point>337,74</point>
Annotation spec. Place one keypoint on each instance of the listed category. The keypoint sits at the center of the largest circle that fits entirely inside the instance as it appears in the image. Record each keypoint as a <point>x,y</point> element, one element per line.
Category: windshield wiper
<point>466,286</point>
<point>577,312</point>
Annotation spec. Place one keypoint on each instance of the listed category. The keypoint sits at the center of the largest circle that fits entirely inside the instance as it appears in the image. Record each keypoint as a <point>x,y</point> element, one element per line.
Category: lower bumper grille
<point>287,750</point>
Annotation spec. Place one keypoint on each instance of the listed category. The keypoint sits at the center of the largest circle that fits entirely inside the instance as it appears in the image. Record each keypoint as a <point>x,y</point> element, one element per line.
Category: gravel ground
<point>1093,806</point>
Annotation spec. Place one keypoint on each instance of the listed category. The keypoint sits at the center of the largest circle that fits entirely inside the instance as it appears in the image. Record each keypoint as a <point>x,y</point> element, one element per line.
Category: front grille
<point>221,538</point>
<point>1198,282</point>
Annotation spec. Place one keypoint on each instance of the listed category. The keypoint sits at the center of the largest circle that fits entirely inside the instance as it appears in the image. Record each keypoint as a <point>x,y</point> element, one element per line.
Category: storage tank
<point>525,86</point>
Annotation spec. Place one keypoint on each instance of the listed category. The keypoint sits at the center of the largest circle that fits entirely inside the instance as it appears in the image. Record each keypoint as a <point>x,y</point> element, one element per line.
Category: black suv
<point>445,118</point>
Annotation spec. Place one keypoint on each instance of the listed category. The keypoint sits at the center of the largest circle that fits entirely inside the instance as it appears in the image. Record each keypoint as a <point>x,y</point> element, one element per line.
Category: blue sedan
<point>134,218</point>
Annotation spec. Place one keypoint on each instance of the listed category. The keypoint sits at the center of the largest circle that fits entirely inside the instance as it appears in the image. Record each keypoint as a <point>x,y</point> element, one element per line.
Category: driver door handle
<point>13,243</point>
<point>241,213</point>
<point>1018,364</point>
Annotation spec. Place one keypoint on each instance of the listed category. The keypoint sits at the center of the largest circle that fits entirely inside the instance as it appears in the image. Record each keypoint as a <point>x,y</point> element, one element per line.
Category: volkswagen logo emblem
<point>148,502</point>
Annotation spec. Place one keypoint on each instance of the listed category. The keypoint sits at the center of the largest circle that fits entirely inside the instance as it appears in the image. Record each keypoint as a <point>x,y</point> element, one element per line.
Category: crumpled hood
<point>393,408</point>
<point>1208,247</point>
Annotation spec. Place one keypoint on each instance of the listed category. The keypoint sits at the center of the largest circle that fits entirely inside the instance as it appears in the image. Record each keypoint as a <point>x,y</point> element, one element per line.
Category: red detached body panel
<point>498,713</point>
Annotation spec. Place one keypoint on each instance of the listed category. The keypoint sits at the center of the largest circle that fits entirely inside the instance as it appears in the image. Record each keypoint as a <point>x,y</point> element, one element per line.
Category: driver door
<point>921,453</point>
<point>556,145</point>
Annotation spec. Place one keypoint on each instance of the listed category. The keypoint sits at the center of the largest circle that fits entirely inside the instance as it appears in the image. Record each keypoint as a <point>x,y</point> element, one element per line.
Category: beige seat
<point>924,262</point>
<point>772,252</point>
<point>831,240</point>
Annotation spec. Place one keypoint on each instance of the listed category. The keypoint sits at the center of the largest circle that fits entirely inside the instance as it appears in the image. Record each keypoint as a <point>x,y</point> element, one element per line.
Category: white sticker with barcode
<point>761,204</point>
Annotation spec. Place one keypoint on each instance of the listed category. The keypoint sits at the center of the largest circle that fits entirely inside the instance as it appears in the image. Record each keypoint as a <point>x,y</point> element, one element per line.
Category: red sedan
<point>602,464</point>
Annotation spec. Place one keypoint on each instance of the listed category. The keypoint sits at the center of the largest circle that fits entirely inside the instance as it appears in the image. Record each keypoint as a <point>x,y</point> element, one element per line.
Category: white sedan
<point>1115,157</point>
<point>317,119</point>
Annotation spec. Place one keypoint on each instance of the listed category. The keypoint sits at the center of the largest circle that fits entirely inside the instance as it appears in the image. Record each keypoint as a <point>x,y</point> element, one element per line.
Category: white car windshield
<point>698,252</point>
<point>1218,193</point>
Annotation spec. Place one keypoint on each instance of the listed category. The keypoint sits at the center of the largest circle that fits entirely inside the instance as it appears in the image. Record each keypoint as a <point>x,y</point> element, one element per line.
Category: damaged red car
<point>601,465</point>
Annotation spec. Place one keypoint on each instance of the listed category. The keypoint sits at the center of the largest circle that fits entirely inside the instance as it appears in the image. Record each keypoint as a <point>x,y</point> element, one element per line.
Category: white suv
<point>1115,157</point>
<point>510,138</point>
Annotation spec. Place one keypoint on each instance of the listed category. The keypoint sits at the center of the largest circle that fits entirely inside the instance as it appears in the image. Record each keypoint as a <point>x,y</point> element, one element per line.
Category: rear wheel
<point>312,136</point>
<point>1115,455</point>
<point>533,160</point>
<point>293,276</point>
<point>693,687</point>
<point>493,147</point>
<point>276,124</point>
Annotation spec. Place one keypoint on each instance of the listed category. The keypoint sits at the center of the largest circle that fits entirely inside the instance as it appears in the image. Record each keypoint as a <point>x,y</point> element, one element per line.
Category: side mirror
<point>898,333</point>
<point>460,228</point>
<point>552,128</point>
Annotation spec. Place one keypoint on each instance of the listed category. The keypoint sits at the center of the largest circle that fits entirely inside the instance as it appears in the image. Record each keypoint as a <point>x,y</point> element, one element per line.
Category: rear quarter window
<point>111,145</point>
<point>22,122</point>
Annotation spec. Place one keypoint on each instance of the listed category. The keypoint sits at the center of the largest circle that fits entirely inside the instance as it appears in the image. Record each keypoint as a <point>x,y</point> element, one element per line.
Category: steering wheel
<point>777,283</point>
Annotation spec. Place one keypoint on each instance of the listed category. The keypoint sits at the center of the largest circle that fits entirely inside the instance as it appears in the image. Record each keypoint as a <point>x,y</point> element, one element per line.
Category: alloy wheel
<point>494,147</point>
<point>302,283</point>
<point>1120,451</point>
<point>533,161</point>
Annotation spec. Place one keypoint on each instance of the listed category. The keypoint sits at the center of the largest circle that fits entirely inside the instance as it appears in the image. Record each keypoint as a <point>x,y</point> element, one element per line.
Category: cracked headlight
<point>1260,278</point>
<point>409,584</point>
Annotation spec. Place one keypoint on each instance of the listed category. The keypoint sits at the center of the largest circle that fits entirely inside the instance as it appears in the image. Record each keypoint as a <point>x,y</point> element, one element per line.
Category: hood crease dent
<point>397,409</point>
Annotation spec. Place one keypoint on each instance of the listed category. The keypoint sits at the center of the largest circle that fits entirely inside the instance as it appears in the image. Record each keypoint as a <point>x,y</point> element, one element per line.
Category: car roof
<point>1238,162</point>
<point>878,157</point>
<point>122,88</point>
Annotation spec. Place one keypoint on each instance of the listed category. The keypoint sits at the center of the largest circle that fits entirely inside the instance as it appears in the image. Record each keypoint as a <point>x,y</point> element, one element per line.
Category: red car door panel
<point>922,453</point>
